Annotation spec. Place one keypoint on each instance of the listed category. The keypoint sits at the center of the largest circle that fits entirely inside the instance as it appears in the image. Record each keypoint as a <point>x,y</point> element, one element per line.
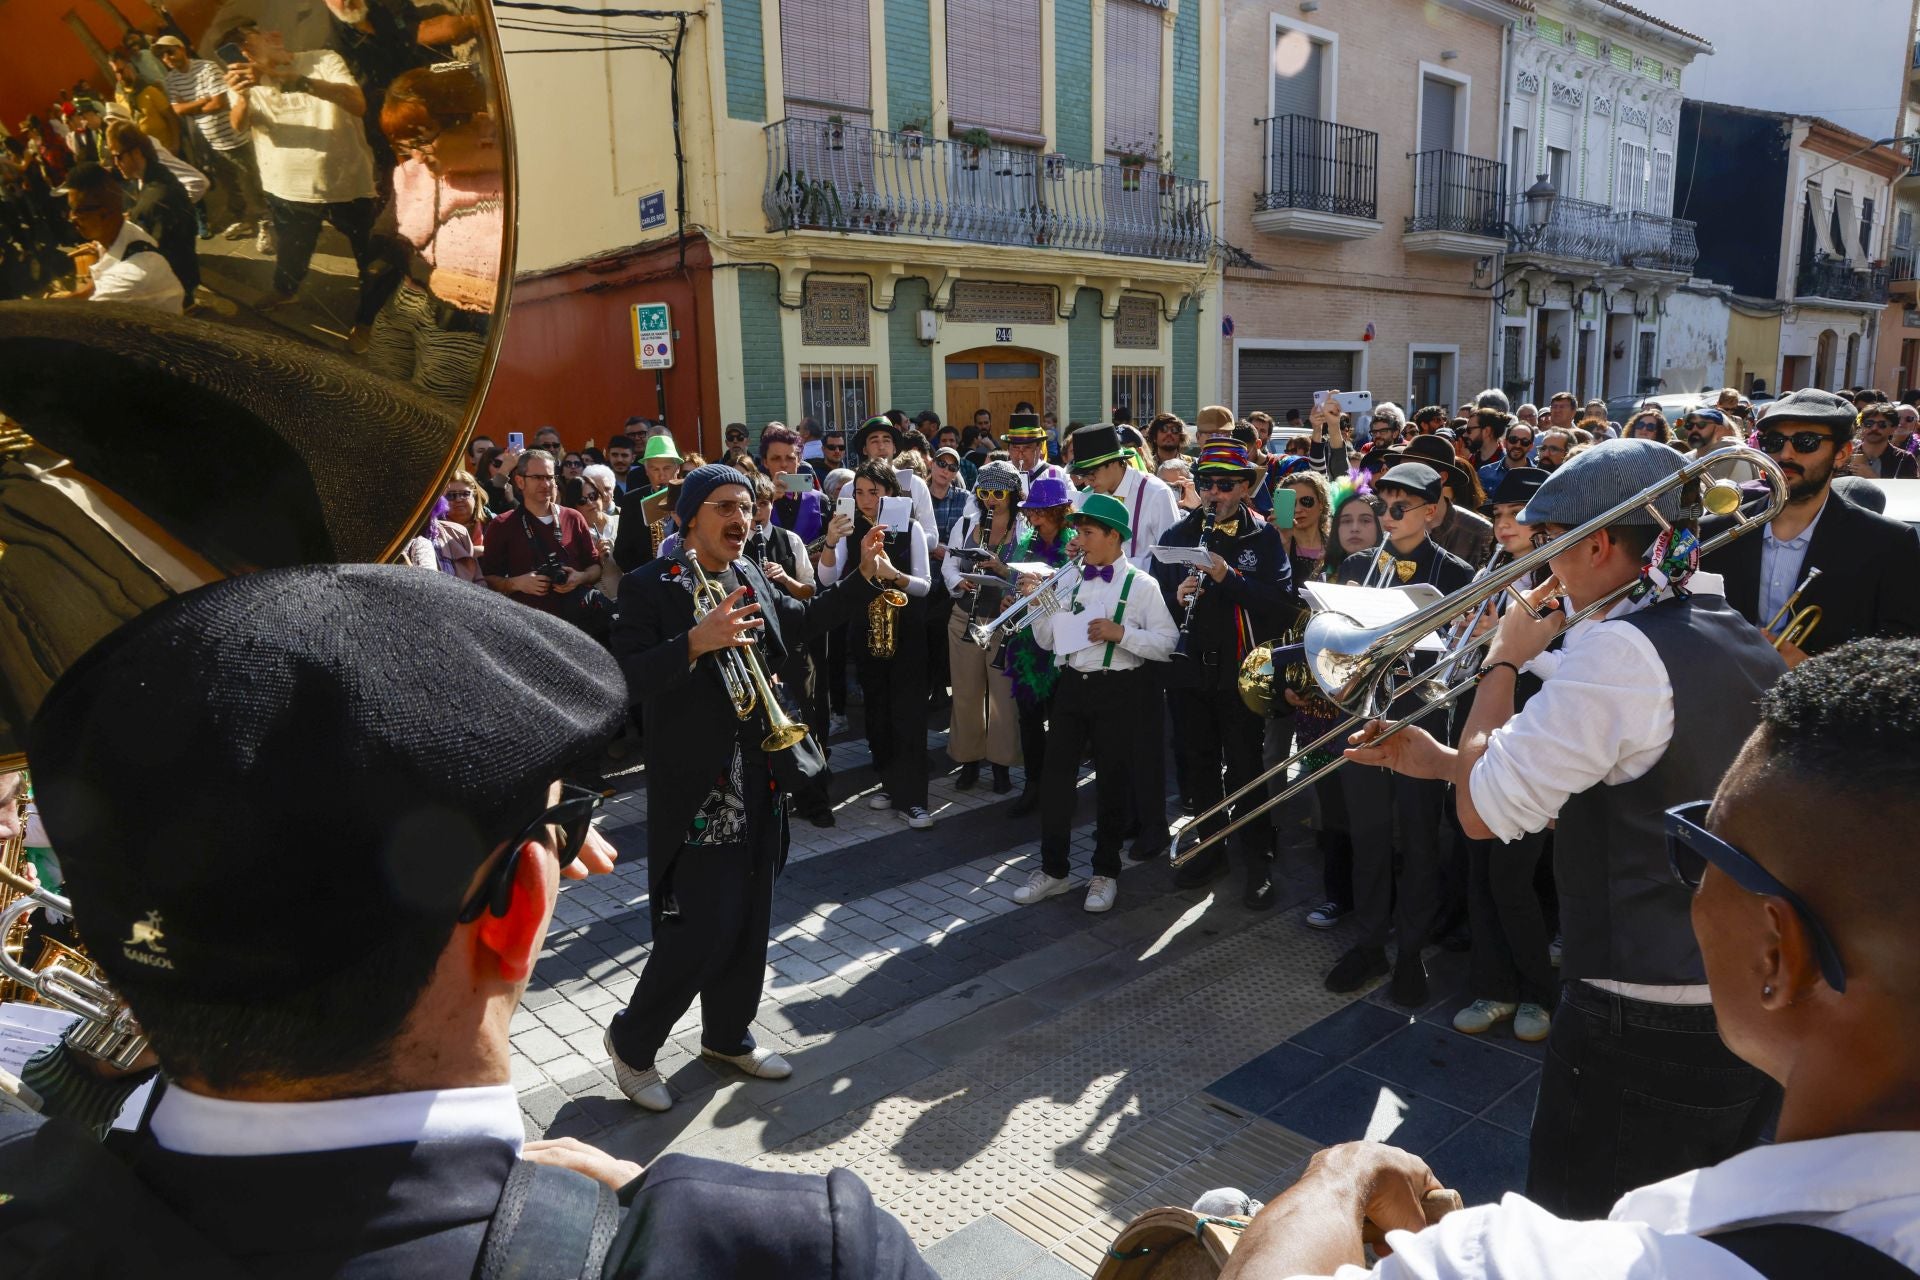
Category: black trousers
<point>1213,731</point>
<point>1378,801</point>
<point>896,710</point>
<point>1509,929</point>
<point>1334,839</point>
<point>1100,711</point>
<point>1633,1092</point>
<point>296,228</point>
<point>1148,734</point>
<point>713,947</point>
<point>836,682</point>
<point>939,612</point>
<point>1033,741</point>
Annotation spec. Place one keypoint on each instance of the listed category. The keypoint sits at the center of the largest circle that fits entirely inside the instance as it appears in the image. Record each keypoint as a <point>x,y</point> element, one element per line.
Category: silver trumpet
<point>1049,597</point>
<point>1364,671</point>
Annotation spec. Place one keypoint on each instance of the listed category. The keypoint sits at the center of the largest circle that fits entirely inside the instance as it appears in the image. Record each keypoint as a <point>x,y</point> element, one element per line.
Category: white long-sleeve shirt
<point>1151,510</point>
<point>846,560</point>
<point>1151,632</point>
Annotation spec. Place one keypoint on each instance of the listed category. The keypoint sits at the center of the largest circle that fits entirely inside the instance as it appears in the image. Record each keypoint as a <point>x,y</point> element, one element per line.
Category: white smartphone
<point>844,507</point>
<point>796,482</point>
<point>516,441</point>
<point>1355,402</point>
<point>1319,400</point>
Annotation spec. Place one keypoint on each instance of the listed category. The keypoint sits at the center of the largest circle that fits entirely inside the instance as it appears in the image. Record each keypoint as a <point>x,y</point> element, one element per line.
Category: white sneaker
<point>879,800</point>
<point>238,231</point>
<point>643,1088</point>
<point>1040,886</point>
<point>1101,891</point>
<point>263,241</point>
<point>917,818</point>
<point>757,1061</point>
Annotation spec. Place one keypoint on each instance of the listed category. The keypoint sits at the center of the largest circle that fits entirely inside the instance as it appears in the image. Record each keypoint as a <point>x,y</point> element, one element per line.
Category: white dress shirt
<point>310,150</point>
<point>1864,1185</point>
<point>196,1125</point>
<point>1151,632</point>
<point>1781,562</point>
<point>1151,510</point>
<point>846,561</point>
<point>144,278</point>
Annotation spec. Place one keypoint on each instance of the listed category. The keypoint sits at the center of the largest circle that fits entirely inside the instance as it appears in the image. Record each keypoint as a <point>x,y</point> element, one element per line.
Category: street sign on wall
<point>652,336</point>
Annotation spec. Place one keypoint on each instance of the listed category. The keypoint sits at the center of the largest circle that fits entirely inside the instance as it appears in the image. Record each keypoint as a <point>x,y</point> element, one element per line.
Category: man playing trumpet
<point>716,828</point>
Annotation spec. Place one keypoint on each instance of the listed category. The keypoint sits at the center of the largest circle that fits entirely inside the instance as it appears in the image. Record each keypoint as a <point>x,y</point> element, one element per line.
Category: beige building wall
<point>1323,295</point>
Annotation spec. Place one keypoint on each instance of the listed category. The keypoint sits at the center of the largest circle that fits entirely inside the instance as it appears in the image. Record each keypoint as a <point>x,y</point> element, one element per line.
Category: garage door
<point>1276,381</point>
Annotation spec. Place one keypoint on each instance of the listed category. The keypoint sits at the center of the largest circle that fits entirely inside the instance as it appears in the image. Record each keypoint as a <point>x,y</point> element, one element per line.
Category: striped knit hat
<point>1224,453</point>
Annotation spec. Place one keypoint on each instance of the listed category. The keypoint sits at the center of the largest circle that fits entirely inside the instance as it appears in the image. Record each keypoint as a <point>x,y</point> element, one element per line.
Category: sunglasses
<point>573,815</point>
<point>946,465</point>
<point>832,446</point>
<point>1305,501</point>
<point>458,495</point>
<point>1223,484</point>
<point>1691,847</point>
<point>1802,441</point>
<point>1400,510</point>
<point>992,495</point>
<point>1869,423</point>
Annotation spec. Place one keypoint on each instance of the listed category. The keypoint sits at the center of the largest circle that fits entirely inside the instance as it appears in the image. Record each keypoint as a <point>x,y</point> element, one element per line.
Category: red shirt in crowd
<point>509,553</point>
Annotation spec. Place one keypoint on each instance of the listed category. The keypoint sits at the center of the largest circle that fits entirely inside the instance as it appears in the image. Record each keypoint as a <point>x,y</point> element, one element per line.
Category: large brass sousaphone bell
<point>259,412</point>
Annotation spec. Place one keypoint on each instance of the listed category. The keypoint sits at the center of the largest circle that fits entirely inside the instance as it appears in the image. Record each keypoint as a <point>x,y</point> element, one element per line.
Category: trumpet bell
<point>784,738</point>
<point>980,635</point>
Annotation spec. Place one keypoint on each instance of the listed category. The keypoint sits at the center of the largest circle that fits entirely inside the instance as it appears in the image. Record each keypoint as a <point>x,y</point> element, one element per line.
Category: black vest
<point>1623,914</point>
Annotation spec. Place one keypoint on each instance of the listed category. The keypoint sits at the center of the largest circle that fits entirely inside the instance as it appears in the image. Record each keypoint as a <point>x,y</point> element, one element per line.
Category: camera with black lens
<point>553,569</point>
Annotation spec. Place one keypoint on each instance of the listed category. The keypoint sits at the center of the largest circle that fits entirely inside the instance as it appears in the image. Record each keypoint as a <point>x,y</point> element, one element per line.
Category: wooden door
<point>995,379</point>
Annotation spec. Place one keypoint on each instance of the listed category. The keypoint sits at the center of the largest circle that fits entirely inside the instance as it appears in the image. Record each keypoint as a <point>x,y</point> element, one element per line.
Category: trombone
<point>1799,622</point>
<point>742,671</point>
<point>1042,600</point>
<point>1364,671</point>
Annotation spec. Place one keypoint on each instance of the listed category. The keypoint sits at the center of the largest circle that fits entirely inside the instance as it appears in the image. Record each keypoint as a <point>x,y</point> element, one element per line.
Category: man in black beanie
<point>716,827</point>
<point>323,911</point>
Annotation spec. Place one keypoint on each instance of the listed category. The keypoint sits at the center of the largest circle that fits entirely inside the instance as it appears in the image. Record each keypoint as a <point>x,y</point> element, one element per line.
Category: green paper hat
<point>1107,510</point>
<point>661,446</point>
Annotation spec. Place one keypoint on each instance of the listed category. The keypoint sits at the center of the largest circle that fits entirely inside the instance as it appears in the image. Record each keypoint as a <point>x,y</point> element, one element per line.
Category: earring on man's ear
<point>1767,991</point>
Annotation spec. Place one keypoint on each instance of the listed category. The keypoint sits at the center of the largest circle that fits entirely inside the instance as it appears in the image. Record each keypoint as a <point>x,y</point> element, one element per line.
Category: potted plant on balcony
<point>835,133</point>
<point>974,143</point>
<point>1164,163</point>
<point>1554,349</point>
<point>913,136</point>
<point>805,203</point>
<point>1132,164</point>
<point>1056,165</point>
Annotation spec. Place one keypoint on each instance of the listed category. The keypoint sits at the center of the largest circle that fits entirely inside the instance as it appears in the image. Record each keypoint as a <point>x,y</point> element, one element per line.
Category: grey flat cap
<point>1811,405</point>
<point>1603,477</point>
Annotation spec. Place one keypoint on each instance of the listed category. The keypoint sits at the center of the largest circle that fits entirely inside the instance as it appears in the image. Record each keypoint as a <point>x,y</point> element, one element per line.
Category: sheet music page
<point>1368,606</point>
<point>1070,633</point>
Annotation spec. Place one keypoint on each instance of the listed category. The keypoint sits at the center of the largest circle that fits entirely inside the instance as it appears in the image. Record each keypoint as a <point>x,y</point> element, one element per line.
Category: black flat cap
<point>1810,405</point>
<point>1518,485</point>
<point>1415,477</point>
<point>250,782</point>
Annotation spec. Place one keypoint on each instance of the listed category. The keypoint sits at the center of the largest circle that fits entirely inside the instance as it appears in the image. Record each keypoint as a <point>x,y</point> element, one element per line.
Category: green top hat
<point>1107,510</point>
<point>661,446</point>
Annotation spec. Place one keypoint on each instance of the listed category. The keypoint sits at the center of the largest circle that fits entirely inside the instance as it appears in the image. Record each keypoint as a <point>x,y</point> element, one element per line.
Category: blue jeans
<point>1633,1092</point>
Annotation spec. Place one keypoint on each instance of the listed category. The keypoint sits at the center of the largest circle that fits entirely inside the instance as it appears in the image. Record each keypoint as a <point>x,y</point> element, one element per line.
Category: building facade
<point>1363,143</point>
<point>857,205</point>
<point>1593,109</point>
<point>1896,365</point>
<point>1795,215</point>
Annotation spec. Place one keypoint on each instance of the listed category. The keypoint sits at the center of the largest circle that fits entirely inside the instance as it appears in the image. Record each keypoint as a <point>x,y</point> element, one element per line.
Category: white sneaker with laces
<point>237,231</point>
<point>758,1061</point>
<point>263,241</point>
<point>879,800</point>
<point>1040,886</point>
<point>644,1088</point>
<point>917,818</point>
<point>1101,891</point>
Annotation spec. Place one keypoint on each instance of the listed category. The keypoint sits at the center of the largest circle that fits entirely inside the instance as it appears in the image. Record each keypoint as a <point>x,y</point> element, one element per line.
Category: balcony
<point>1653,242</point>
<point>1576,231</point>
<point>1901,268</point>
<point>1907,177</point>
<point>1836,280</point>
<point>1323,180</point>
<point>830,177</point>
<point>1459,205</point>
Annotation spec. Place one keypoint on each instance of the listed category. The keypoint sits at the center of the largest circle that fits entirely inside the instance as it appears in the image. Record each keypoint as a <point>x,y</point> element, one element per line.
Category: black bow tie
<point>1099,573</point>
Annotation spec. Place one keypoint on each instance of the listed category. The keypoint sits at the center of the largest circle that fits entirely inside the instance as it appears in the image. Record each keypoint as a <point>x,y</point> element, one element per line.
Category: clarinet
<point>1207,521</point>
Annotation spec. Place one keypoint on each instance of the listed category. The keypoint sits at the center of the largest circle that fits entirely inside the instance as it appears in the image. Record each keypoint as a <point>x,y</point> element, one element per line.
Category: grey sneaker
<point>1481,1015</point>
<point>264,241</point>
<point>1040,886</point>
<point>918,818</point>
<point>644,1088</point>
<point>1531,1023</point>
<point>1101,891</point>
<point>879,800</point>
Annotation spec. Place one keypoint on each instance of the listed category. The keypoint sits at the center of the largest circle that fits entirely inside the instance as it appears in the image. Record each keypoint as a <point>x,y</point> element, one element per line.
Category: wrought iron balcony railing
<point>1838,279</point>
<point>1578,229</point>
<point>1654,242</point>
<point>836,177</point>
<point>1321,167</point>
<point>1455,192</point>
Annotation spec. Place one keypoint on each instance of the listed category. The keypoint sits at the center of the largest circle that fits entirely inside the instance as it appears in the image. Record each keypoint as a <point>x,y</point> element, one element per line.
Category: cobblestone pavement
<point>1017,1082</point>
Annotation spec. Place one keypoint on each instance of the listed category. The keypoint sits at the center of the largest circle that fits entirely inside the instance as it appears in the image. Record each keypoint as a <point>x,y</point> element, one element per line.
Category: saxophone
<point>880,617</point>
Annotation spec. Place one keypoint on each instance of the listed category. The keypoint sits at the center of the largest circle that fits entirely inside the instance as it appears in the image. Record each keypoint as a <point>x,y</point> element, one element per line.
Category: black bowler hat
<point>1439,455</point>
<point>251,783</point>
<point>1095,445</point>
<point>1416,478</point>
<point>1518,485</point>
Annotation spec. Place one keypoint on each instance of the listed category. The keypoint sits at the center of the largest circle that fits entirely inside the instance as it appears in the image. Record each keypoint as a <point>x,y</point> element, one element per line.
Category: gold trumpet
<point>1799,622</point>
<point>748,687</point>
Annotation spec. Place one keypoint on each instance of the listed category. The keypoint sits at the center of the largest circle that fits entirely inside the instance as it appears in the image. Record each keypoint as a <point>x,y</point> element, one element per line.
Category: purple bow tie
<point>1099,573</point>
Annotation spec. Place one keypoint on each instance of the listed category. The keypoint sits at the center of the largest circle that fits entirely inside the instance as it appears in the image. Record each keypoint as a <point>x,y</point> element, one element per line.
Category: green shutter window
<point>1588,45</point>
<point>1551,31</point>
<point>1621,57</point>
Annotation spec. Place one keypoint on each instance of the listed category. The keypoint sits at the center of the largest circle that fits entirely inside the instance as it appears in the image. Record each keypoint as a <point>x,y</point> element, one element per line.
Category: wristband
<point>1495,666</point>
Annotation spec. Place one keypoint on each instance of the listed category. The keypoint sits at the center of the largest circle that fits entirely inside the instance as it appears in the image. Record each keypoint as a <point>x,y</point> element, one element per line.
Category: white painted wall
<point>1694,347</point>
<point>1846,63</point>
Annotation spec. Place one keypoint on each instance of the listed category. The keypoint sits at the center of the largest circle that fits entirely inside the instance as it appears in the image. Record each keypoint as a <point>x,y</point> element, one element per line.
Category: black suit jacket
<point>690,724</point>
<point>1869,581</point>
